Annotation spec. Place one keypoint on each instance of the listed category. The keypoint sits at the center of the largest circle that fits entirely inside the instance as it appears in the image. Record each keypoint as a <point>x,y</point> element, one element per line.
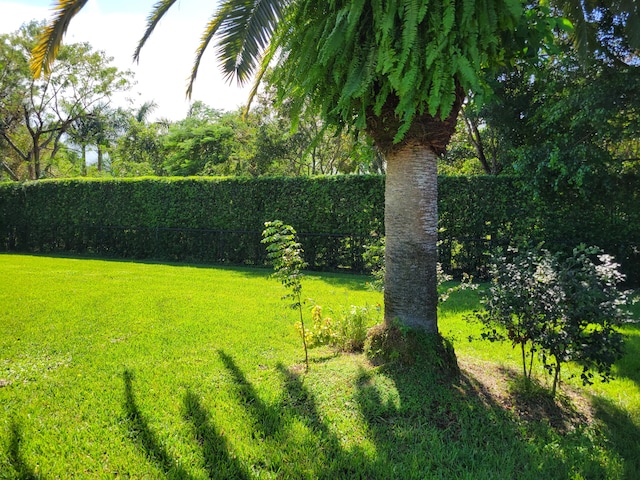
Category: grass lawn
<point>121,369</point>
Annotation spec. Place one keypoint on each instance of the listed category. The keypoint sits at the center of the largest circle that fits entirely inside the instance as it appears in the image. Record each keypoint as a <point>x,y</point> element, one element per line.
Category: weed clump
<point>346,332</point>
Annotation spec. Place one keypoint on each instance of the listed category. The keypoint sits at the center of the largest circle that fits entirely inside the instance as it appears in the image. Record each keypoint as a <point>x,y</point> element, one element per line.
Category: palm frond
<point>266,61</point>
<point>49,41</point>
<point>157,12</point>
<point>583,14</point>
<point>146,109</point>
<point>207,36</point>
<point>245,30</point>
<point>584,35</point>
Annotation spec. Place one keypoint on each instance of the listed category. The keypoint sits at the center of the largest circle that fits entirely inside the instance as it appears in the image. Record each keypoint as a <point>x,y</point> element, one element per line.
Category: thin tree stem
<point>531,362</point>
<point>556,379</point>
<point>304,335</point>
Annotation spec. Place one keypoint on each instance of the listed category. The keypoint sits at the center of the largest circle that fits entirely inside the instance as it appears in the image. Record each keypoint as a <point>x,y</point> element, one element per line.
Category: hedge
<point>219,220</point>
<point>193,219</point>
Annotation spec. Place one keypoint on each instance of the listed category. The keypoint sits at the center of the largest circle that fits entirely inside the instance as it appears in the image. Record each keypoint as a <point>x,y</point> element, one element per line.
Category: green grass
<point>118,369</point>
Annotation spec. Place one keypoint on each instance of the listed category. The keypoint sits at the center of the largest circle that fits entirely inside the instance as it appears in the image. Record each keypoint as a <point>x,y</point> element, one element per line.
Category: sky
<point>115,26</point>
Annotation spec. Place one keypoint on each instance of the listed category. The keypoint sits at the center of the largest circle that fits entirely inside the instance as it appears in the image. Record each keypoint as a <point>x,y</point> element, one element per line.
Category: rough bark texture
<point>411,211</point>
<point>425,129</point>
<point>411,229</point>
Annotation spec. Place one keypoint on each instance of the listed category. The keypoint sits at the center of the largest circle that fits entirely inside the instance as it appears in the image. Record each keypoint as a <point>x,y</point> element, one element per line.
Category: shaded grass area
<point>160,371</point>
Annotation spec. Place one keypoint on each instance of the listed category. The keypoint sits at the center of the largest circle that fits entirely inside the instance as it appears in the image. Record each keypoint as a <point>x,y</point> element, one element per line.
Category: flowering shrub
<point>563,309</point>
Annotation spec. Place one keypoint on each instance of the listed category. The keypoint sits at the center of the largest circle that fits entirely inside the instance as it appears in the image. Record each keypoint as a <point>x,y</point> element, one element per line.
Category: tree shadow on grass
<point>421,425</point>
<point>269,417</point>
<point>327,459</point>
<point>333,460</point>
<point>218,462</point>
<point>21,470</point>
<point>623,433</point>
<point>454,428</point>
<point>144,436</point>
<point>415,424</point>
<point>215,449</point>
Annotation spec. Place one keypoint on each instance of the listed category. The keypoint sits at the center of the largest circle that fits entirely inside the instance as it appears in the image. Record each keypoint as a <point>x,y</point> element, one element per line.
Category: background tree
<point>86,131</point>
<point>562,117</point>
<point>201,143</point>
<point>304,144</point>
<point>37,113</point>
<point>12,69</point>
<point>136,143</point>
<point>563,122</point>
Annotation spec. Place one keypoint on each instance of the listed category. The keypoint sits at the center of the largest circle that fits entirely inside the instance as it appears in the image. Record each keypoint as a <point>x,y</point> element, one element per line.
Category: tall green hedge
<point>194,219</point>
<point>220,220</point>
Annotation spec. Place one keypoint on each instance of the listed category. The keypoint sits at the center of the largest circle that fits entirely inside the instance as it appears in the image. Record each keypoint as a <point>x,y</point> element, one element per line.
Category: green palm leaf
<point>207,36</point>
<point>157,12</point>
<point>245,29</point>
<point>269,53</point>
<point>49,42</point>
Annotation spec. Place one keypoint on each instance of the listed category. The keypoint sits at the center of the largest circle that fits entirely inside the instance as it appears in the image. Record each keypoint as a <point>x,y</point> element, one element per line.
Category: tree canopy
<point>35,114</point>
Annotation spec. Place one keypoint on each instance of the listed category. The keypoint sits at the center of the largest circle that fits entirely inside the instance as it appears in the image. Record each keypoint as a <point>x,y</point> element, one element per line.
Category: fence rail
<point>322,251</point>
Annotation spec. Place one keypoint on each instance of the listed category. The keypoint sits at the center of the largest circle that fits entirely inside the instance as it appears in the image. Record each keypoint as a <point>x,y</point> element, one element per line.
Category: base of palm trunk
<point>387,344</point>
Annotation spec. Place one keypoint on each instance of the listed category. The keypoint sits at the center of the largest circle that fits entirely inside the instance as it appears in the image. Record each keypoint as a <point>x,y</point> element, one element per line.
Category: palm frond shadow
<point>140,432</point>
<point>16,462</point>
<point>219,463</point>
<point>297,403</point>
<point>622,432</point>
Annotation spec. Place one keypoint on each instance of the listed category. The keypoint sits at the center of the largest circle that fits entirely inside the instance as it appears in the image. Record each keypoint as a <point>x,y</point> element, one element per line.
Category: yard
<point>142,370</point>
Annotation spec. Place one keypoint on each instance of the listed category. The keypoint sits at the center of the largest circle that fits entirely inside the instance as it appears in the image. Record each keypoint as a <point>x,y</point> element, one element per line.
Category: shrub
<point>219,220</point>
<point>562,308</point>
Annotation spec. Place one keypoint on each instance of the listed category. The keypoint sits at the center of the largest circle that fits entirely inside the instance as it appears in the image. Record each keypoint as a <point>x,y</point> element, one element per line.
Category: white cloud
<point>165,61</point>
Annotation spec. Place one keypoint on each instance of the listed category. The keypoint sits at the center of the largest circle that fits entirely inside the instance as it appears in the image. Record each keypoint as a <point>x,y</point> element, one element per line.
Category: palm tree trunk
<point>83,159</point>
<point>99,158</point>
<point>411,230</point>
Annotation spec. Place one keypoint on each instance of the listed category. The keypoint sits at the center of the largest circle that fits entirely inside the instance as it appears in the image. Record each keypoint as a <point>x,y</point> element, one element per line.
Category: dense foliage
<point>37,114</point>
<point>198,219</point>
<point>220,220</point>
<point>360,61</point>
<point>567,116</point>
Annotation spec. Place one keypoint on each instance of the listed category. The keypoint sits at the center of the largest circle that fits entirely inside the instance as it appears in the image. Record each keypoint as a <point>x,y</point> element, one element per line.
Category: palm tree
<point>398,70</point>
<point>145,110</point>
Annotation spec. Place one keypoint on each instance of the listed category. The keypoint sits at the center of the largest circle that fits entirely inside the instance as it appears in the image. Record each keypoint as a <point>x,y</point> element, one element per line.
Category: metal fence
<point>322,251</point>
